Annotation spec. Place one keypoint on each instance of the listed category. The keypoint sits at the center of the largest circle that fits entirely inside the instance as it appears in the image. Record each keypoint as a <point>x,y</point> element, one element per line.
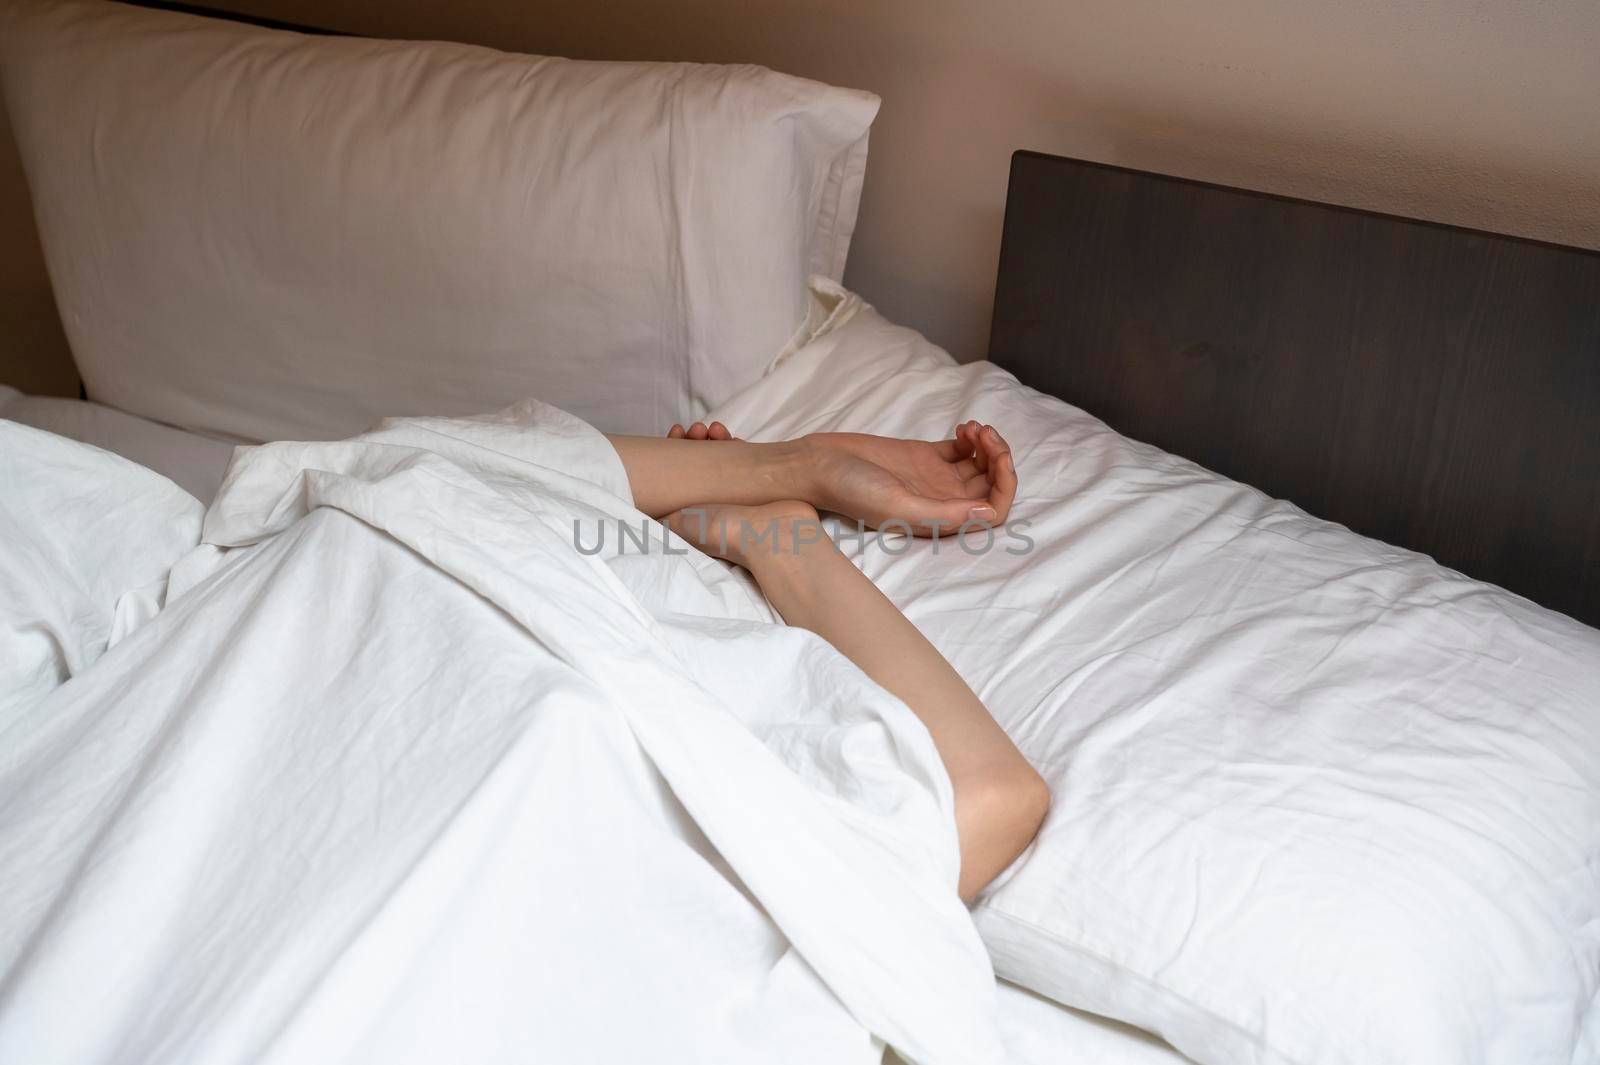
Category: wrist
<point>807,461</point>
<point>791,470</point>
<point>784,537</point>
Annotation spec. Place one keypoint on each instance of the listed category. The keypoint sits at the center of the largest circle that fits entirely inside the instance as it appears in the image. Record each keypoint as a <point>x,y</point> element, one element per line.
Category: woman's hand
<point>932,487</point>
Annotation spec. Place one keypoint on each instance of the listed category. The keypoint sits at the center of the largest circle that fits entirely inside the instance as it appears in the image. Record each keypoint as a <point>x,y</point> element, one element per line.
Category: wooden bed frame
<point>1431,386</point>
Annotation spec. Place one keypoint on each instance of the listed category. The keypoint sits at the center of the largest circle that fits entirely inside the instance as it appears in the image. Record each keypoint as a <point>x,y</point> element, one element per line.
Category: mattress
<point>192,461</point>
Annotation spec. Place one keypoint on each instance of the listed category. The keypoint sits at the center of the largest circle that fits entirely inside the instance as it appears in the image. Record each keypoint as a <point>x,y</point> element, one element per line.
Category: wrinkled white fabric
<point>193,462</point>
<point>86,542</point>
<point>400,775</point>
<point>1038,1031</point>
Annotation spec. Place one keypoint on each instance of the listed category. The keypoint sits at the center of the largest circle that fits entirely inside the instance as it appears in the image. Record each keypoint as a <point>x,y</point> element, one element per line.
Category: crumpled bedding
<point>398,774</point>
<point>87,540</point>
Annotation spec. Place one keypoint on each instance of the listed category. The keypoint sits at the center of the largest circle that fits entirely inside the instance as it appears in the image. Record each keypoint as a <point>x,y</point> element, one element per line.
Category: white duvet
<point>399,775</point>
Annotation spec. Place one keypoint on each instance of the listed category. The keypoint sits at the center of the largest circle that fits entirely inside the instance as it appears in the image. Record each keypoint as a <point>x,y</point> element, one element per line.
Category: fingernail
<point>981,513</point>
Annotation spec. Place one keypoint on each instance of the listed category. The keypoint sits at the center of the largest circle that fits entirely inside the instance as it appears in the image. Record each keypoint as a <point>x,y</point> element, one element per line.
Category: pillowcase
<point>87,540</point>
<point>1316,799</point>
<point>267,234</point>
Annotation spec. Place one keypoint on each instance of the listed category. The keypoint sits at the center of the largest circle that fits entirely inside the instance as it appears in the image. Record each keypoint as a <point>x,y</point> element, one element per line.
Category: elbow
<point>998,813</point>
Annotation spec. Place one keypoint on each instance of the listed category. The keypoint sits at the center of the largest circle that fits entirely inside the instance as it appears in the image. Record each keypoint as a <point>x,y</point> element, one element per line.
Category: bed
<point>294,774</point>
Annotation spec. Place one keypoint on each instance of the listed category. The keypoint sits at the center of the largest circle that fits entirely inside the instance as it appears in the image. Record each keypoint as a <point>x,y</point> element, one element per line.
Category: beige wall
<point>1479,112</point>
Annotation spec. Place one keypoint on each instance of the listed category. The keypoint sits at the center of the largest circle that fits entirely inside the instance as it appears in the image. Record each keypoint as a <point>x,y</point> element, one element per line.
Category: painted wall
<point>1479,112</point>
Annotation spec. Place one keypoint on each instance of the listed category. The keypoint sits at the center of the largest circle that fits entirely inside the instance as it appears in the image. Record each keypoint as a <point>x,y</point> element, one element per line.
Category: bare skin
<point>1000,800</point>
<point>933,486</point>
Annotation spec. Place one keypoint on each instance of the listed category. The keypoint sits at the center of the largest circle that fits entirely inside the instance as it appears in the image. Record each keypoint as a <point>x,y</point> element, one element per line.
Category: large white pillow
<point>271,235</point>
<point>1316,799</point>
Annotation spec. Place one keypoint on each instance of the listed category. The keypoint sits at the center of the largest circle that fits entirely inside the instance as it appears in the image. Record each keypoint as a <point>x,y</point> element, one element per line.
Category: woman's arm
<point>1000,800</point>
<point>932,486</point>
<point>667,474</point>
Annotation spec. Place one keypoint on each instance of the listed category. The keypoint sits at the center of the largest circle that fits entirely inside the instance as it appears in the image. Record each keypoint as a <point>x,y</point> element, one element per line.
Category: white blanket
<point>399,775</point>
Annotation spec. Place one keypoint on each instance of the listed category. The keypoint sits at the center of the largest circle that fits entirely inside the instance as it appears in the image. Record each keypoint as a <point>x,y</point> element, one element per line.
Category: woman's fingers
<point>964,451</point>
<point>980,452</point>
<point>958,455</point>
<point>938,517</point>
<point>992,447</point>
<point>700,431</point>
<point>995,479</point>
<point>1002,472</point>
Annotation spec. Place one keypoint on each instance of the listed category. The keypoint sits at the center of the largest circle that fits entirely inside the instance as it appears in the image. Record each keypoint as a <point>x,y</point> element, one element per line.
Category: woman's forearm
<point>930,487</point>
<point>668,475</point>
<point>999,799</point>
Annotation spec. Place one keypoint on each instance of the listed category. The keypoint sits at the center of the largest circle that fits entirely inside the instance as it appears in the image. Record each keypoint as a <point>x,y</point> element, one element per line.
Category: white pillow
<point>270,235</point>
<point>87,540</point>
<point>1316,799</point>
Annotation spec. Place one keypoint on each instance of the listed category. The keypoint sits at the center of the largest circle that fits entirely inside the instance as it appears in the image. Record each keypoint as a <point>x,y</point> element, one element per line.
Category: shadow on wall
<point>33,350</point>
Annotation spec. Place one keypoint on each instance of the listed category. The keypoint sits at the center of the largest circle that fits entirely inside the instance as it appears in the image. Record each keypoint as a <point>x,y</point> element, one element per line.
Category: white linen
<point>1038,1031</point>
<point>1316,799</point>
<point>400,775</point>
<point>278,236</point>
<point>86,542</point>
<point>193,462</point>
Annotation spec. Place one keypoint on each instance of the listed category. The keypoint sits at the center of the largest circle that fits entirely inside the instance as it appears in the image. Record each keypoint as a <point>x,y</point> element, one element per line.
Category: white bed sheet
<point>194,462</point>
<point>1269,740</point>
<point>1037,1031</point>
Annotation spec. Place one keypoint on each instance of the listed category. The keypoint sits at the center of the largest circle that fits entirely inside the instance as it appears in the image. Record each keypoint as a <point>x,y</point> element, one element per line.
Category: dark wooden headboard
<point>1434,387</point>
